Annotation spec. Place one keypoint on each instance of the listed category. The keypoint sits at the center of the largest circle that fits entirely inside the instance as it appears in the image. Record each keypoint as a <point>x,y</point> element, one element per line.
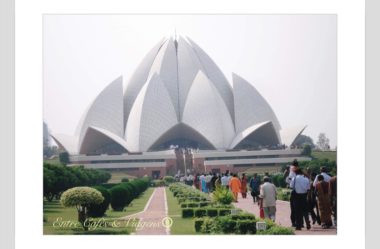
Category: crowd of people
<point>312,195</point>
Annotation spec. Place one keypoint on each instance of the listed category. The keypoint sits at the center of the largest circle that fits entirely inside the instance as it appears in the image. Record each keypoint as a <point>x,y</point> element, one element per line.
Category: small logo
<point>167,222</point>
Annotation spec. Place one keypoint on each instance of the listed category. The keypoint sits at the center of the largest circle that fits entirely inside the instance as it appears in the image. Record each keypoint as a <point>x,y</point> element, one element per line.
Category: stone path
<point>151,219</point>
<point>282,216</point>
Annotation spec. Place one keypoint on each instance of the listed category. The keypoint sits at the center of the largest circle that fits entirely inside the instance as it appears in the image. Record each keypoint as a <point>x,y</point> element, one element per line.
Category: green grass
<point>117,176</point>
<point>331,155</point>
<point>180,225</point>
<point>69,216</point>
<point>53,161</point>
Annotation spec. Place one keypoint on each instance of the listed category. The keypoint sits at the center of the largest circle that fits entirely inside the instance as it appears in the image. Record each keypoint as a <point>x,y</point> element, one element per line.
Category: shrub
<point>124,179</point>
<point>204,204</point>
<point>277,230</point>
<point>119,198</point>
<point>158,183</point>
<point>221,206</point>
<point>109,185</point>
<point>180,200</point>
<point>81,198</point>
<point>243,216</point>
<point>198,224</point>
<point>193,205</point>
<point>184,205</point>
<point>223,195</point>
<point>246,226</point>
<point>64,158</point>
<point>130,194</point>
<point>212,212</point>
<point>99,209</point>
<point>200,212</point>
<point>168,180</point>
<point>226,225</point>
<point>270,223</point>
<point>283,194</point>
<point>224,212</point>
<point>208,226</point>
<point>187,213</point>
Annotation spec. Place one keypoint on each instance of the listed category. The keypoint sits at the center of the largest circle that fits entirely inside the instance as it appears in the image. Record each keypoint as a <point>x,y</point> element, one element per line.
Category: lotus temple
<point>178,113</point>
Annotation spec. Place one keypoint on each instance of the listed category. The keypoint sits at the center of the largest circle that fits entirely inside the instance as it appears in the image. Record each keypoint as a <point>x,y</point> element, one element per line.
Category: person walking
<point>322,190</point>
<point>291,175</point>
<point>300,186</point>
<point>212,182</point>
<point>202,179</point>
<point>244,186</point>
<point>224,181</point>
<point>312,201</point>
<point>326,177</point>
<point>254,184</point>
<point>268,194</point>
<point>235,186</point>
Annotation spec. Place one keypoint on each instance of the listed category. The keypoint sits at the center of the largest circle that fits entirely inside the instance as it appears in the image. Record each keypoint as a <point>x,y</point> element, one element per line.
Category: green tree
<point>81,198</point>
<point>64,158</point>
<point>306,151</point>
<point>323,142</point>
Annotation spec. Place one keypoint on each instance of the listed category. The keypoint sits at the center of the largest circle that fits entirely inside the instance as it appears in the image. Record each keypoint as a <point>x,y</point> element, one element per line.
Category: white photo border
<point>351,93</point>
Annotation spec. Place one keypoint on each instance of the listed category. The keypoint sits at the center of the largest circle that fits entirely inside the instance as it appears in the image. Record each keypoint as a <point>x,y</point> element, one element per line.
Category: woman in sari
<point>322,191</point>
<point>244,186</point>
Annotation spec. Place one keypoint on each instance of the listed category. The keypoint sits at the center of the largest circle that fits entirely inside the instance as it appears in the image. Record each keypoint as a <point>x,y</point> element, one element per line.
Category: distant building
<point>178,98</point>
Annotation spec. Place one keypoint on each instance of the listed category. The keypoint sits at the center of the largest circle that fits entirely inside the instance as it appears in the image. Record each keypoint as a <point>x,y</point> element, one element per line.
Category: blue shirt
<point>254,184</point>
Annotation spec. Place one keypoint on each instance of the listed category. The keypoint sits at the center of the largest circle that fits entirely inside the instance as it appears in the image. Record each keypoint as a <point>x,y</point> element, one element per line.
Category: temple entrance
<point>156,174</point>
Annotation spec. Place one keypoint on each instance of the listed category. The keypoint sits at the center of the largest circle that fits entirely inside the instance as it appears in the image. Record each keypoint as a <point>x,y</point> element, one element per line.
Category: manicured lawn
<point>331,155</point>
<point>53,161</point>
<point>54,211</point>
<point>117,176</point>
<point>180,225</point>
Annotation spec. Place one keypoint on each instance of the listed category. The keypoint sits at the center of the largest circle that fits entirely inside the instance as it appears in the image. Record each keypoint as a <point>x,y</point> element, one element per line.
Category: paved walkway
<point>151,219</point>
<point>282,216</point>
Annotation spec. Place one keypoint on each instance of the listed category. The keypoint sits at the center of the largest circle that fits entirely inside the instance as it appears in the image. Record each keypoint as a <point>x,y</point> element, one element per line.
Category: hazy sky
<point>290,59</point>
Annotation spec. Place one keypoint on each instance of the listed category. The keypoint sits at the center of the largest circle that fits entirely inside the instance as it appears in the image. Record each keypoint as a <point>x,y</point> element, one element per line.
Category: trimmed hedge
<point>243,216</point>
<point>119,198</point>
<point>224,212</point>
<point>100,209</point>
<point>123,194</point>
<point>277,230</point>
<point>201,212</point>
<point>227,225</point>
<point>187,213</point>
<point>246,226</point>
<point>198,224</point>
<point>243,223</point>
<point>212,212</point>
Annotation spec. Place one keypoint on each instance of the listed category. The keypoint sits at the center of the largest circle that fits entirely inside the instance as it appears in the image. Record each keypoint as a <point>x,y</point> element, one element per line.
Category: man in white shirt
<point>268,193</point>
<point>224,181</point>
<point>300,185</point>
<point>289,178</point>
<point>326,177</point>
